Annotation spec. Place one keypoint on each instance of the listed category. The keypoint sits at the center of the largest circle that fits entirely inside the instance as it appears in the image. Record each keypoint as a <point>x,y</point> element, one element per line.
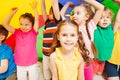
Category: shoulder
<point>92,23</point>
<point>6,47</point>
<point>17,31</point>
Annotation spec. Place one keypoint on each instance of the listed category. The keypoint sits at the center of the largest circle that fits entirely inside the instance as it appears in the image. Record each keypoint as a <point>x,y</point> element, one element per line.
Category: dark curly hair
<point>4,32</point>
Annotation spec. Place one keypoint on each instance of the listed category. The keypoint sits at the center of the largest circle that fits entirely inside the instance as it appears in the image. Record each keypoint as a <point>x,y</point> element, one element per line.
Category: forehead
<point>24,20</point>
<point>106,13</point>
<point>79,9</point>
<point>68,27</point>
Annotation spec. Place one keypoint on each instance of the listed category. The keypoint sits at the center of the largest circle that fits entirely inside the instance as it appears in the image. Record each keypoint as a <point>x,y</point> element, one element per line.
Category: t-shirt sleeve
<point>7,53</point>
<point>15,33</point>
<point>36,33</point>
<point>92,26</point>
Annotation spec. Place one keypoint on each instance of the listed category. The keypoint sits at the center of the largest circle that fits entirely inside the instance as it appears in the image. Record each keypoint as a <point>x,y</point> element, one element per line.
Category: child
<point>66,60</point>
<point>25,43</point>
<point>112,66</point>
<point>7,65</point>
<point>51,21</point>
<point>87,22</point>
<point>50,26</point>
<point>104,41</point>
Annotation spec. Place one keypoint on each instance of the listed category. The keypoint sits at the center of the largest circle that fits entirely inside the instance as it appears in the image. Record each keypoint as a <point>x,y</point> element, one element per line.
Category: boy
<point>7,65</point>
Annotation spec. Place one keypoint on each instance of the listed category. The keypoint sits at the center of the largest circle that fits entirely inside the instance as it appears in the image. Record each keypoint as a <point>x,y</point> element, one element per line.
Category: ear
<point>87,16</point>
<point>2,37</point>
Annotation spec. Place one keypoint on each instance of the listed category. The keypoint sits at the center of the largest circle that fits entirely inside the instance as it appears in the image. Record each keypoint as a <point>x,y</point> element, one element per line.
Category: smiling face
<point>25,24</point>
<point>68,36</point>
<point>105,20</point>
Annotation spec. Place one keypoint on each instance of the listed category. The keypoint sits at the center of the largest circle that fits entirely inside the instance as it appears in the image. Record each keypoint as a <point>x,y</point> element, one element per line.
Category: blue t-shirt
<point>6,53</point>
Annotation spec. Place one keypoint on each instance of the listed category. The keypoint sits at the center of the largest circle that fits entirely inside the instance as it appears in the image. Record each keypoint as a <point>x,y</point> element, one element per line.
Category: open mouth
<point>68,44</point>
<point>104,24</point>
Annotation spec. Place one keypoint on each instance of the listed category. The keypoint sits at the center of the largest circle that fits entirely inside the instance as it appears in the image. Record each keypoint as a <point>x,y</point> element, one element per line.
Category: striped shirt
<point>50,28</point>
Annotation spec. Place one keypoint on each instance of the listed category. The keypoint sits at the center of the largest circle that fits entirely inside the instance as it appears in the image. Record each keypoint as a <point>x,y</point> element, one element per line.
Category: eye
<point>72,35</point>
<point>64,35</point>
<point>78,13</point>
<point>26,24</point>
<point>108,17</point>
<point>102,17</point>
<point>20,23</point>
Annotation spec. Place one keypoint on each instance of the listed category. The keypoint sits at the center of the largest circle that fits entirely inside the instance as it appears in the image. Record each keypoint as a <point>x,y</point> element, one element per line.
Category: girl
<point>112,66</point>
<point>66,61</point>
<point>51,22</point>
<point>83,15</point>
<point>25,43</point>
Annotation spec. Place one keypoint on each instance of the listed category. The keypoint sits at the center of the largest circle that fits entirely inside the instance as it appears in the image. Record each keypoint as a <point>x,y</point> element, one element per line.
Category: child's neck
<point>67,53</point>
<point>82,24</point>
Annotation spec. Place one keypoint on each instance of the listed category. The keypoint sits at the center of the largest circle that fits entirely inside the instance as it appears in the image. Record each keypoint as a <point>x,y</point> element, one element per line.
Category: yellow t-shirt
<point>115,58</point>
<point>67,68</point>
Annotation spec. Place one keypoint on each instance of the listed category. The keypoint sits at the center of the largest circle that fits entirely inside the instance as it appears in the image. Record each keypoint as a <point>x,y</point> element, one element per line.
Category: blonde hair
<point>81,44</point>
<point>108,11</point>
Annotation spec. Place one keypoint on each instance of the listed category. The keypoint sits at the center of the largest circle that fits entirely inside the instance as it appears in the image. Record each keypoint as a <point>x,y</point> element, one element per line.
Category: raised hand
<point>34,4</point>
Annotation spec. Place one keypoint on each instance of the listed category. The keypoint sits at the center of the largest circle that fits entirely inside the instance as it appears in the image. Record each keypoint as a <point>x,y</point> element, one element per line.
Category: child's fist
<point>14,8</point>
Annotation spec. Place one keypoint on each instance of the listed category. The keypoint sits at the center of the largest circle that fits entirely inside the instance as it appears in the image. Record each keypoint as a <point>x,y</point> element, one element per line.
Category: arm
<point>117,1</point>
<point>36,22</point>
<point>64,9</point>
<point>53,66</point>
<point>99,9</point>
<point>56,9</point>
<point>117,20</point>
<point>44,13</point>
<point>6,22</point>
<point>81,69</point>
<point>3,66</point>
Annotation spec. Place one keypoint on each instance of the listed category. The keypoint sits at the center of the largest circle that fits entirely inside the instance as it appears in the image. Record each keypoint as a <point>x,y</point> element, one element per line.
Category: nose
<point>68,38</point>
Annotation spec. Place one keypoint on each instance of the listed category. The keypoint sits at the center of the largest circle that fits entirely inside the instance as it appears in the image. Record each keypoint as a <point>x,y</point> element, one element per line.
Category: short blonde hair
<point>108,11</point>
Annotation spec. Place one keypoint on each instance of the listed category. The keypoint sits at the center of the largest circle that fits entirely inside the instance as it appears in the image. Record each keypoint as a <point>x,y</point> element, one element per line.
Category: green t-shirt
<point>104,41</point>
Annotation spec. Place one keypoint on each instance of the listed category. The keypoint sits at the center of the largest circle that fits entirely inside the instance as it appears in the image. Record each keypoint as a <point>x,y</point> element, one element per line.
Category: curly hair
<point>81,45</point>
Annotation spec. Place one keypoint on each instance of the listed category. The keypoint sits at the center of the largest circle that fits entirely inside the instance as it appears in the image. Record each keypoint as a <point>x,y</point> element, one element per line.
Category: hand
<point>117,1</point>
<point>14,9</point>
<point>34,4</point>
<point>71,4</point>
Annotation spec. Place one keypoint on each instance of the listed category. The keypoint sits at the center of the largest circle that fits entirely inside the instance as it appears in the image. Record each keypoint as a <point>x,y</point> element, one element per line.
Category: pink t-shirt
<point>25,49</point>
<point>91,27</point>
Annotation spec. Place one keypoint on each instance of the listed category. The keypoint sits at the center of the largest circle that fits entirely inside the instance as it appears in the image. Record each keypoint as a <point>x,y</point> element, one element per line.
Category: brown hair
<point>90,13</point>
<point>108,11</point>
<point>29,16</point>
<point>84,51</point>
<point>4,32</point>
